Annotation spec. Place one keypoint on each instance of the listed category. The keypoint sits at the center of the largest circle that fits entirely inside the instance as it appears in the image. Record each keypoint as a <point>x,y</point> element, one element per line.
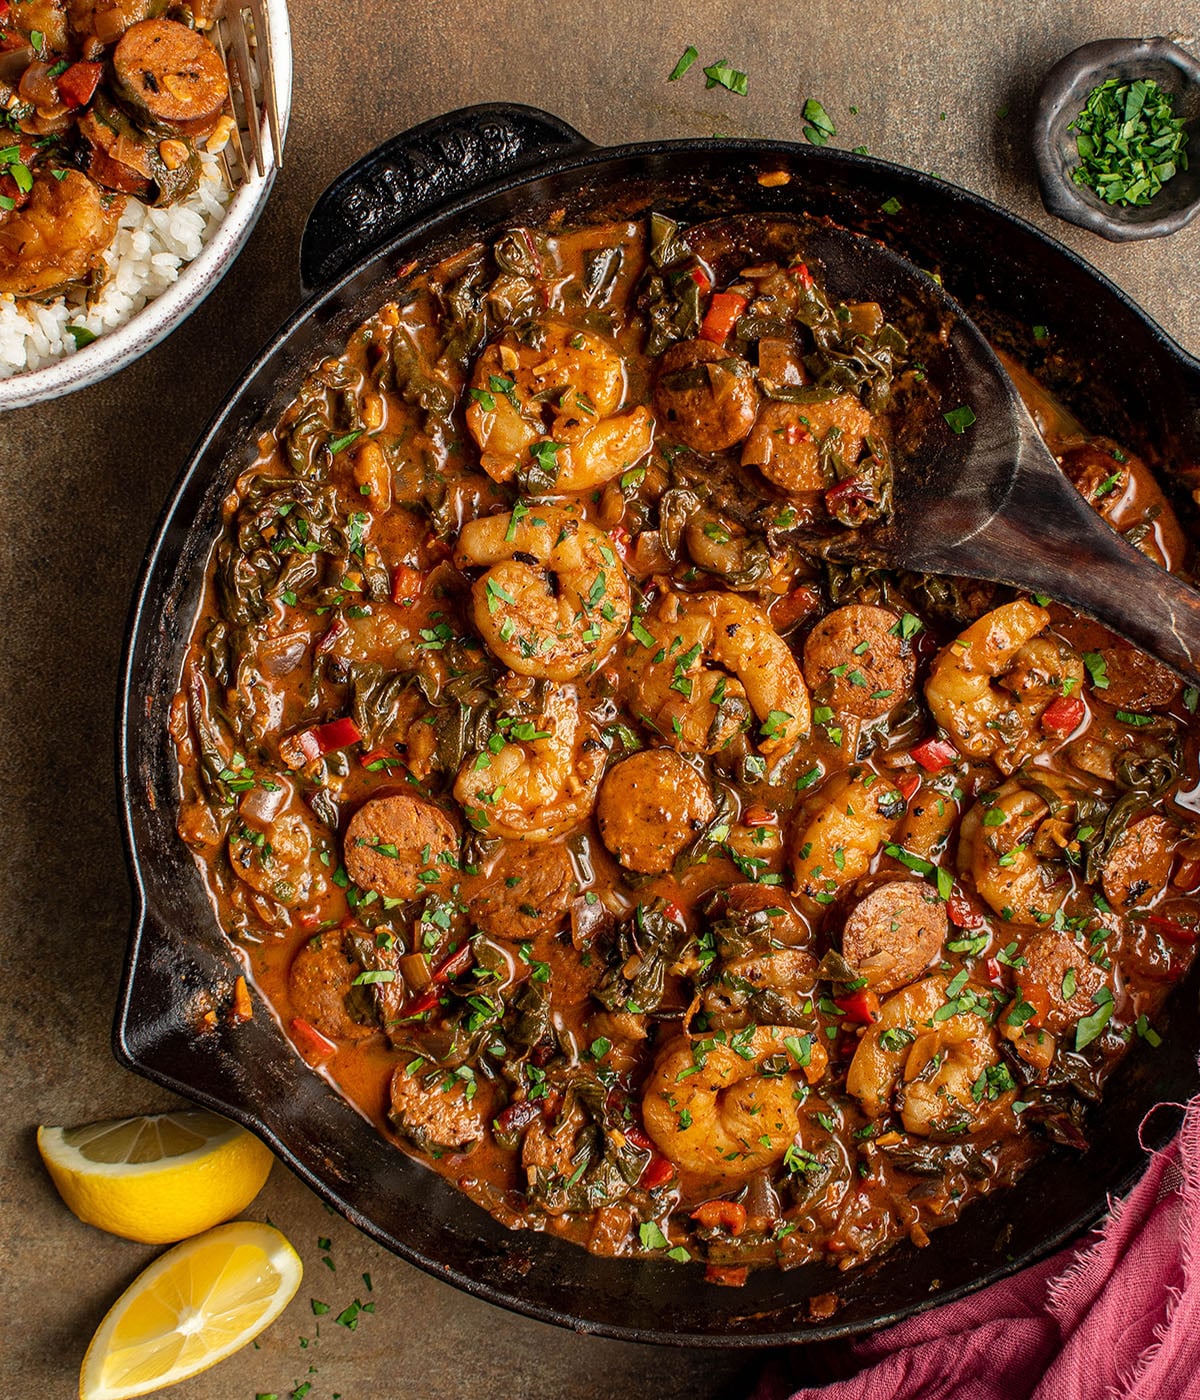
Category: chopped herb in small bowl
<point>1115,138</point>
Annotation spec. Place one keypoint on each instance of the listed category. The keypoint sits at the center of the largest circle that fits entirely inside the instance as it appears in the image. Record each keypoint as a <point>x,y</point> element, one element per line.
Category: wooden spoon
<point>990,502</point>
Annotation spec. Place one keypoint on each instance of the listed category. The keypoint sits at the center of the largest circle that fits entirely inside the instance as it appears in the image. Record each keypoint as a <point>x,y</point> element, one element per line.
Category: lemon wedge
<point>159,1178</point>
<point>194,1306</point>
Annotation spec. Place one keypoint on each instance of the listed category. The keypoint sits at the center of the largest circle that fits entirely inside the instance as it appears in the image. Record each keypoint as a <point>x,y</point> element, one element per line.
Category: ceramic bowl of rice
<point>161,265</point>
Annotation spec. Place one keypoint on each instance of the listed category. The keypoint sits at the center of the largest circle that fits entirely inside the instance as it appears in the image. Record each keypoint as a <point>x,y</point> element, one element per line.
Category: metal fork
<point>253,83</point>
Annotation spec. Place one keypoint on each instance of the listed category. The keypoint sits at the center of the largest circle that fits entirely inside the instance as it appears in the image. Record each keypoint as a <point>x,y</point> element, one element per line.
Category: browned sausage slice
<point>1060,967</point>
<point>856,661</point>
<point>321,982</point>
<point>400,846</point>
<point>1139,862</point>
<point>785,442</point>
<point>434,1110</point>
<point>1136,681</point>
<point>705,396</point>
<point>171,73</point>
<point>650,806</point>
<point>525,891</point>
<point>894,933</point>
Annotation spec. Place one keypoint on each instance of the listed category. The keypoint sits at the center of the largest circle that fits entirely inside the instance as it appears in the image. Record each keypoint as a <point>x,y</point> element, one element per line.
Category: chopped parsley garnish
<point>721,74</point>
<point>339,444</point>
<point>651,1235</point>
<point>1129,140</point>
<point>960,419</point>
<point>686,59</point>
<point>1097,669</point>
<point>818,128</point>
<point>1092,1025</point>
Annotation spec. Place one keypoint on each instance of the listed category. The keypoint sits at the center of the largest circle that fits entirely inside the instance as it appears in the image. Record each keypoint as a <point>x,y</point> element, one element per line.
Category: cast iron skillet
<point>429,191</point>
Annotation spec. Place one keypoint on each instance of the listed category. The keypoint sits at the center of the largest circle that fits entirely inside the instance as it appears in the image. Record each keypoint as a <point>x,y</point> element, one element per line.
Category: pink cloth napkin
<point>1116,1318</point>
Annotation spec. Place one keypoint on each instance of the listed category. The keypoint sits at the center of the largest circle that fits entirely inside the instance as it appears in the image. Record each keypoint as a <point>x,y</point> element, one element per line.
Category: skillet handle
<point>420,170</point>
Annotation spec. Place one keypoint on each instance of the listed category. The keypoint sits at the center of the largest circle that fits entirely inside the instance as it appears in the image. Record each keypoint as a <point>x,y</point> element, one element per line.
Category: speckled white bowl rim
<point>158,318</point>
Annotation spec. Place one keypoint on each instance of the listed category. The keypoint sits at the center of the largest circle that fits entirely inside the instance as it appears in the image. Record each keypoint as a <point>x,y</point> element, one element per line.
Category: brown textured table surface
<point>946,88</point>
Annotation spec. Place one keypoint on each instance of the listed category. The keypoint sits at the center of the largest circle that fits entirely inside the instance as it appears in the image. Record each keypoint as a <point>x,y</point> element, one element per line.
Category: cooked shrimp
<point>932,1068</point>
<point>550,393</point>
<point>711,1109</point>
<point>988,688</point>
<point>1000,847</point>
<point>700,663</point>
<point>59,237</point>
<point>942,1090</point>
<point>554,598</point>
<point>537,787</point>
<point>839,833</point>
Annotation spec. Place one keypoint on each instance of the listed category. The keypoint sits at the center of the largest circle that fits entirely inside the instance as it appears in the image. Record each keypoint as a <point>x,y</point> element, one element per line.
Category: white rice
<point>145,257</point>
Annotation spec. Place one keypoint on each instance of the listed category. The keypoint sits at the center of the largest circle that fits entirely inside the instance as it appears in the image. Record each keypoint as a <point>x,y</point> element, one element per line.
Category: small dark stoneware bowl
<point>1062,97</point>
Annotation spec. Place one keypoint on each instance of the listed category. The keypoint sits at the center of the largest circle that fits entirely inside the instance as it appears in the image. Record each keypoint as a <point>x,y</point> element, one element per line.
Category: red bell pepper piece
<point>1173,929</point>
<point>451,966</point>
<point>701,279</point>
<point>407,584</point>
<point>908,783</point>
<point>934,754</point>
<point>722,315</point>
<point>658,1171</point>
<point>793,607</point>
<point>77,86</point>
<point>962,913</point>
<point>620,539</point>
<point>325,738</point>
<point>802,275</point>
<point>1037,997</point>
<point>730,1214</point>
<point>314,1046</point>
<point>1064,715</point>
<point>335,630</point>
<point>757,815</point>
<point>861,1006</point>
<point>845,493</point>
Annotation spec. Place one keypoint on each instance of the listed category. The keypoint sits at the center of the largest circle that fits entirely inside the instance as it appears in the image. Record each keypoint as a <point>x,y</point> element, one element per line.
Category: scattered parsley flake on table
<point>819,128</point>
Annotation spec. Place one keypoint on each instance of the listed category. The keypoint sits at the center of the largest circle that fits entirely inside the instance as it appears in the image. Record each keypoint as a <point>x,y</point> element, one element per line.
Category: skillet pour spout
<point>411,201</point>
